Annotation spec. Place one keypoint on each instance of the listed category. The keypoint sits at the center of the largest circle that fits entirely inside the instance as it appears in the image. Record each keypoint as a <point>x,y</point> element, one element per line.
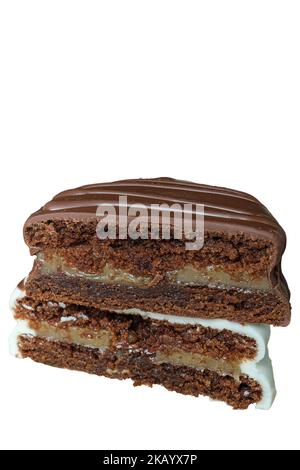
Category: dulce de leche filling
<point>199,361</point>
<point>101,340</point>
<point>82,336</point>
<point>189,275</point>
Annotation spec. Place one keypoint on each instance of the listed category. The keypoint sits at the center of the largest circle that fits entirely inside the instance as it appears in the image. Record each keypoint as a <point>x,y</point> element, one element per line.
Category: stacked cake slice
<point>196,321</point>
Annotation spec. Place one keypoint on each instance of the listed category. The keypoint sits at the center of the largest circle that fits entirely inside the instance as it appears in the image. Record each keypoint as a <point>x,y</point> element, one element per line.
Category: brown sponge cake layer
<point>133,331</point>
<point>122,364</point>
<point>243,306</point>
<point>78,244</point>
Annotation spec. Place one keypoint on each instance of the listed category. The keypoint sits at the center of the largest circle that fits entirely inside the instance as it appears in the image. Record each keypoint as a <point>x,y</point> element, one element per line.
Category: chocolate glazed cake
<point>195,321</point>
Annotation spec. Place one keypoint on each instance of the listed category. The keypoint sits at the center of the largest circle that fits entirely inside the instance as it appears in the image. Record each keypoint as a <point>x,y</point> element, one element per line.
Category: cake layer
<point>220,340</point>
<point>240,259</point>
<point>235,304</point>
<point>239,393</point>
<point>86,337</point>
<point>208,346</point>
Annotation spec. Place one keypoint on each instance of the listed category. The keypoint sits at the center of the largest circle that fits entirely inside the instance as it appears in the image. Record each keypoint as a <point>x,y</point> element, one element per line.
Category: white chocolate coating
<point>259,369</point>
<point>21,328</point>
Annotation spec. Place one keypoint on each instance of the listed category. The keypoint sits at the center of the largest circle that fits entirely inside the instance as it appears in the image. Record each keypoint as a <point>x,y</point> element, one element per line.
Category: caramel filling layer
<point>109,275</point>
<point>199,361</point>
<point>189,275</point>
<point>212,275</point>
<point>72,334</point>
<point>101,340</point>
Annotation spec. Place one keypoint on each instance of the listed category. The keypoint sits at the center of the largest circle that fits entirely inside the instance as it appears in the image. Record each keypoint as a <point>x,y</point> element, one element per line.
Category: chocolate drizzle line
<point>226,210</point>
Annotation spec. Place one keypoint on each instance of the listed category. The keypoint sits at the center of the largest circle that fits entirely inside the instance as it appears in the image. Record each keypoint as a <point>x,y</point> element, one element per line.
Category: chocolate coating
<point>226,210</point>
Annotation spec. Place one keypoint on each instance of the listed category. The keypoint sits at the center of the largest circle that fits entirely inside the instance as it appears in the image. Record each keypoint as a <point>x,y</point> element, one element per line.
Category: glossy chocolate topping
<point>226,210</point>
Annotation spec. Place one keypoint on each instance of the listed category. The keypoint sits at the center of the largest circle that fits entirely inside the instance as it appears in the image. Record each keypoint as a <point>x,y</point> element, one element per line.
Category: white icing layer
<point>262,372</point>
<point>17,294</point>
<point>21,328</point>
<point>69,318</point>
<point>27,307</point>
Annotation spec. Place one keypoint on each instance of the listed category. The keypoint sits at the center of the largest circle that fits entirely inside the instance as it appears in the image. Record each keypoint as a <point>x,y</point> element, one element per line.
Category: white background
<point>100,90</point>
